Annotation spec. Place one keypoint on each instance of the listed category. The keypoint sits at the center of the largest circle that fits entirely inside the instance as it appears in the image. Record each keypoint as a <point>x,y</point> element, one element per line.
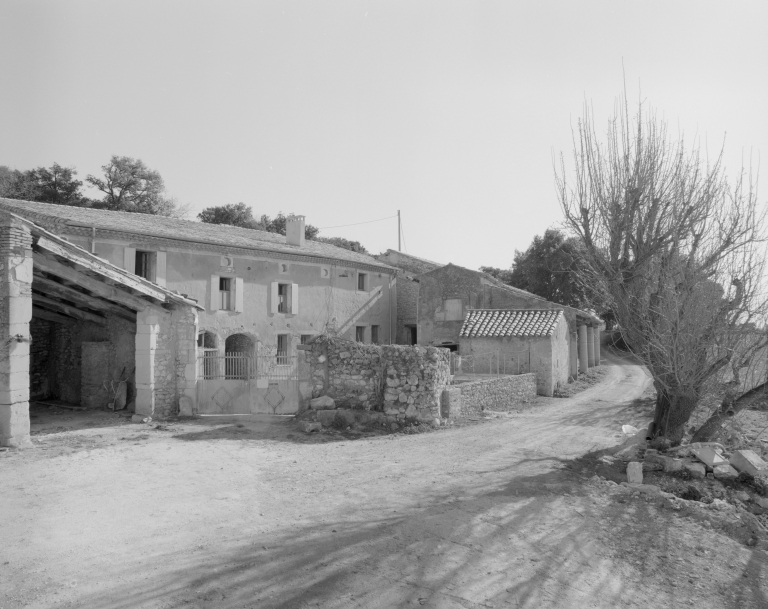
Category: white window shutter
<point>295,298</point>
<point>274,299</point>
<point>238,294</point>
<point>215,296</point>
<point>160,265</point>
<point>129,259</point>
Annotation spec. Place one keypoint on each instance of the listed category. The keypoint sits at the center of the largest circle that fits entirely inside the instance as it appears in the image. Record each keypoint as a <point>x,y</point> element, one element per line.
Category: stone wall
<point>41,332</point>
<point>407,297</point>
<point>502,393</point>
<point>65,360</point>
<point>170,359</point>
<point>402,381</point>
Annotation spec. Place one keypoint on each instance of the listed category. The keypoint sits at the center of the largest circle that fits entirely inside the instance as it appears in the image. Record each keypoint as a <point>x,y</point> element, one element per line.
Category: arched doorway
<point>239,353</point>
<point>208,354</point>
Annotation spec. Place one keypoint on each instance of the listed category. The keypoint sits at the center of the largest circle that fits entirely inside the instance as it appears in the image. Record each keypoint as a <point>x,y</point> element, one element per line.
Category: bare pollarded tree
<point>676,247</point>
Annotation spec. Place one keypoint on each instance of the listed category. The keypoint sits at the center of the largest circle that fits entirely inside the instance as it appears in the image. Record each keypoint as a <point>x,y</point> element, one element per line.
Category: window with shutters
<point>225,293</point>
<point>283,297</point>
<point>144,265</point>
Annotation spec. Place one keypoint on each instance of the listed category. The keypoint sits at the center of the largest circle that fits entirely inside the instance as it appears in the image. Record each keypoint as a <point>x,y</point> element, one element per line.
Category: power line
<point>356,223</point>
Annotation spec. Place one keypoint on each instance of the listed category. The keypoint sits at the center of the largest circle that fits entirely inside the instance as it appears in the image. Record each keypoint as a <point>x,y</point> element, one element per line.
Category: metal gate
<point>242,383</point>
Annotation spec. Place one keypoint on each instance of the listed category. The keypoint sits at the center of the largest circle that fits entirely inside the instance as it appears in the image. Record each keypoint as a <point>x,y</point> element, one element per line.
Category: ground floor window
<point>375,335</point>
<point>360,334</point>
<point>305,338</point>
<point>283,349</point>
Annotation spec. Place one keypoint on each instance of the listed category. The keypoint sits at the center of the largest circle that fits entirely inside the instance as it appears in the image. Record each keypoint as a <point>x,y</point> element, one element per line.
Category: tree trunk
<point>728,409</point>
<point>673,409</point>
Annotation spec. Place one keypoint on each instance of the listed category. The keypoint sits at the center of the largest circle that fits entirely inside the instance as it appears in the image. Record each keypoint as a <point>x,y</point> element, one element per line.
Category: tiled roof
<point>496,323</point>
<point>181,230</point>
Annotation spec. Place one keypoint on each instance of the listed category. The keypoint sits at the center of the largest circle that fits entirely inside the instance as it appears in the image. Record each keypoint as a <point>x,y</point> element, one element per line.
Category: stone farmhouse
<point>529,340</point>
<point>437,302</point>
<point>173,313</point>
<point>407,292</point>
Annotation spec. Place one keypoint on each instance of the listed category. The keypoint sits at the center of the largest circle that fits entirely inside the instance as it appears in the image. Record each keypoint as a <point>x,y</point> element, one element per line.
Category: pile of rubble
<point>695,461</point>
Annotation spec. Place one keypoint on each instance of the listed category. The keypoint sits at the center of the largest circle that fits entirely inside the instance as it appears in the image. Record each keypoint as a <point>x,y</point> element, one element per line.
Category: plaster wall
<point>476,291</point>
<point>549,355</point>
<point>328,294</point>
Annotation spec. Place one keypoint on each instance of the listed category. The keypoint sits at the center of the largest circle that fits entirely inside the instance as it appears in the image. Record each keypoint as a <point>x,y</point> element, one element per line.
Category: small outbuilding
<point>531,340</point>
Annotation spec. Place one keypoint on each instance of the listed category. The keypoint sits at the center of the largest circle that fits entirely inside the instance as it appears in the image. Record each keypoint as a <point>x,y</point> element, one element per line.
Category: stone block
<point>668,464</point>
<point>412,412</point>
<point>186,406</point>
<point>14,425</point>
<point>695,469</point>
<point>709,456</point>
<point>724,471</point>
<point>346,416</point>
<point>324,402</point>
<point>309,426</point>
<point>635,473</point>
<point>326,417</point>
<point>748,461</point>
<point>140,418</point>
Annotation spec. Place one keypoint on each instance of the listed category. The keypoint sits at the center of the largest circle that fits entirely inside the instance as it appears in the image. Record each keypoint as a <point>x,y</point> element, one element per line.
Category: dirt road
<point>243,513</point>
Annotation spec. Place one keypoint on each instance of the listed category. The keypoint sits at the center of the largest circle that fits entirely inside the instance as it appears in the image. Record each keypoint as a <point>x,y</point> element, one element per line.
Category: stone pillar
<point>15,315</point>
<point>572,353</point>
<point>186,358</point>
<point>591,346</point>
<point>583,350</point>
<point>147,327</point>
<point>597,345</point>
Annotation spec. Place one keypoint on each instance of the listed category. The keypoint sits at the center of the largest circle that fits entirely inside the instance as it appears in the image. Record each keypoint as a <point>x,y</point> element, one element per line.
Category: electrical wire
<point>356,223</point>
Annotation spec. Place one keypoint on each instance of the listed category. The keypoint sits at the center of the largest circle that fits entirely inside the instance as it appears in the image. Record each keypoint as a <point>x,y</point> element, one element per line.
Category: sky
<point>347,112</point>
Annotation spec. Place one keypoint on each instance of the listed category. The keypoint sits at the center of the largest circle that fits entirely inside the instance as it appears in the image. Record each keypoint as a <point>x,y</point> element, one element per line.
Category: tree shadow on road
<point>537,541</point>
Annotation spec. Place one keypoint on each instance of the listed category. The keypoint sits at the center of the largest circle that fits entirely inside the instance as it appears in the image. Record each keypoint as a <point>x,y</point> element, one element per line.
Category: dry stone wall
<point>502,393</point>
<point>402,381</point>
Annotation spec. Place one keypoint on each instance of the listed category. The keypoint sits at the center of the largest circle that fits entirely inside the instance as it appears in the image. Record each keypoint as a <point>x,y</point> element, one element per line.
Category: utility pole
<point>398,230</point>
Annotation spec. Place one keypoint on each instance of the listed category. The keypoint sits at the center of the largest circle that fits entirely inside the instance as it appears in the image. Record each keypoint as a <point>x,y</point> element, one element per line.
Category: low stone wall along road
<point>250,513</point>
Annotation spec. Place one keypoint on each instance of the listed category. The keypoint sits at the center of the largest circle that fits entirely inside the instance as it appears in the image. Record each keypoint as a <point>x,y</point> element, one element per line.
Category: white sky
<point>348,111</point>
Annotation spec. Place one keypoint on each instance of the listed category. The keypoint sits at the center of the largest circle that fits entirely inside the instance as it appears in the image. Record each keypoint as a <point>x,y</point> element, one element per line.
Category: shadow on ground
<point>519,544</point>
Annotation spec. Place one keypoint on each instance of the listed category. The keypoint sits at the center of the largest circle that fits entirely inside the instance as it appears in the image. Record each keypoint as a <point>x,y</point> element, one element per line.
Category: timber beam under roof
<point>54,289</point>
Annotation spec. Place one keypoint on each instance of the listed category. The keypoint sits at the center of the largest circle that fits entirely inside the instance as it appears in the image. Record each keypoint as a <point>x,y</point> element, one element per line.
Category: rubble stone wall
<point>41,332</point>
<point>502,393</point>
<point>405,382</point>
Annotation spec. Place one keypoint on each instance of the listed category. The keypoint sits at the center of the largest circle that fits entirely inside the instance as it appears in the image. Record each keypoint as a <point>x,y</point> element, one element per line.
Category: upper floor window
<point>225,293</point>
<point>362,281</point>
<point>453,309</point>
<point>144,264</point>
<point>283,297</point>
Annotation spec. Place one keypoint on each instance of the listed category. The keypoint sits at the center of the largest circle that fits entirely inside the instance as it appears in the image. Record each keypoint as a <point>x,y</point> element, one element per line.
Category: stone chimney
<point>294,230</point>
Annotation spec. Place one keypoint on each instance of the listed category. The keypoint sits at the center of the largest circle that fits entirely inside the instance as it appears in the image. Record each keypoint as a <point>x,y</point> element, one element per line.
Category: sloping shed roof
<point>495,323</point>
<point>180,230</point>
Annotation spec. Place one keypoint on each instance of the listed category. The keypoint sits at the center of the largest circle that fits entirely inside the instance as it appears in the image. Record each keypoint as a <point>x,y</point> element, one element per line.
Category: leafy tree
<point>233,214</point>
<point>677,247</point>
<point>548,269</point>
<point>15,184</point>
<point>354,246</point>
<point>56,185</point>
<point>129,185</point>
